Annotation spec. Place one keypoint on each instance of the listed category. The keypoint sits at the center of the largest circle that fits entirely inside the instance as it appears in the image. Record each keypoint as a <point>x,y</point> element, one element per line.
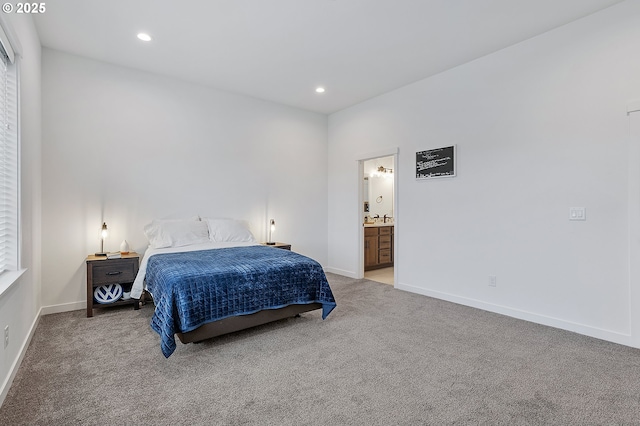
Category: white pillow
<point>176,233</point>
<point>221,230</point>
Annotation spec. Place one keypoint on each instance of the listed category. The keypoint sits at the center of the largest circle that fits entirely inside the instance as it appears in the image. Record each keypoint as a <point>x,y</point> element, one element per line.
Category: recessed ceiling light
<point>319,89</point>
<point>144,36</point>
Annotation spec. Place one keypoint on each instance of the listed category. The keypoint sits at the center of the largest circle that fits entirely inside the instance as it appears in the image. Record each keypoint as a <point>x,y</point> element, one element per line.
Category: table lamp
<point>272,227</point>
<point>103,235</point>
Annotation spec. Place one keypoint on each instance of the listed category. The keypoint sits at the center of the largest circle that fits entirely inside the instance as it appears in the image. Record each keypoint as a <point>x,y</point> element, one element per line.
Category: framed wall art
<point>436,163</point>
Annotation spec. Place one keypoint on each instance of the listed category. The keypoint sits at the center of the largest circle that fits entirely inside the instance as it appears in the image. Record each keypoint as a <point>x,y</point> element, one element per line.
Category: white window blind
<point>9,159</point>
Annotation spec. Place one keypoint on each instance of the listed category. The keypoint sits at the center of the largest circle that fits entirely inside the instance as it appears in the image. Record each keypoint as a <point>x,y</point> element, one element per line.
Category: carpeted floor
<point>383,357</point>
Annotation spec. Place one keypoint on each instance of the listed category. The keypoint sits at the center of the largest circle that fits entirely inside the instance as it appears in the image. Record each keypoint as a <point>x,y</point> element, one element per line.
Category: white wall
<point>20,305</point>
<point>540,127</point>
<point>126,147</point>
<point>380,196</point>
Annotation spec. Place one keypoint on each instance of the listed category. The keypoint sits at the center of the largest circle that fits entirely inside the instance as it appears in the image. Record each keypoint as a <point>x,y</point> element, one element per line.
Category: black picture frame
<point>436,163</point>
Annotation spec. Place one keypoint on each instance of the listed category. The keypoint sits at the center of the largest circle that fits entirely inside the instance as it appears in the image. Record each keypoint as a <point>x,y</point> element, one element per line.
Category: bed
<point>208,287</point>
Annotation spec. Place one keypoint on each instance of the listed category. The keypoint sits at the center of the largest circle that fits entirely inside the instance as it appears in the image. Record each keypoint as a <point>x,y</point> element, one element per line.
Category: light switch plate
<point>577,213</point>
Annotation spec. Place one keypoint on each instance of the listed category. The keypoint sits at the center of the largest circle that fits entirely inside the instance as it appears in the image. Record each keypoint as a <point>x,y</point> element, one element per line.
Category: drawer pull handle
<point>114,273</point>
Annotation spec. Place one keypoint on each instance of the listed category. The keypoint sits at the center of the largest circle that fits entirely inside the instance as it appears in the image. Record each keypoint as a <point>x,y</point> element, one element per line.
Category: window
<point>9,158</point>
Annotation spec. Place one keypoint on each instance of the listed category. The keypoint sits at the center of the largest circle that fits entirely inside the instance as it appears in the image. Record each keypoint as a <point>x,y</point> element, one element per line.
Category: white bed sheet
<point>139,285</point>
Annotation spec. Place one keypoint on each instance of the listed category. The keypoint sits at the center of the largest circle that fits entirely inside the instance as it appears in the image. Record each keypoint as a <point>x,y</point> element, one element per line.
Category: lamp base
<point>101,254</point>
<point>271,244</point>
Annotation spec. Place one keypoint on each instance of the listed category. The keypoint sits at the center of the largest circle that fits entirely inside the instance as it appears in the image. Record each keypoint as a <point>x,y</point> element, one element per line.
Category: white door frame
<point>359,221</point>
<point>633,111</point>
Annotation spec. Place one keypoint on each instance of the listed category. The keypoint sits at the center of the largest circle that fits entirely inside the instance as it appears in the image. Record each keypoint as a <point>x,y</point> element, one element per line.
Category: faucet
<point>385,219</point>
<point>377,216</point>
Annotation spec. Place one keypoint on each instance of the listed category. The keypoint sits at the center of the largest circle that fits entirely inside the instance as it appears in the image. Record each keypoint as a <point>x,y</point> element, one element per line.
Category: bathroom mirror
<point>378,187</point>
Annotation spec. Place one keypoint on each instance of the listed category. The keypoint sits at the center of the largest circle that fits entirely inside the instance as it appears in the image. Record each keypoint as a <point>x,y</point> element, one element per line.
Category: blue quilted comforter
<point>194,288</point>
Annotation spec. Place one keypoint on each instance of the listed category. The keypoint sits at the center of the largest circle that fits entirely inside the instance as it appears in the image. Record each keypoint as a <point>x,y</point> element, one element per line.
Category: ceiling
<point>281,50</point>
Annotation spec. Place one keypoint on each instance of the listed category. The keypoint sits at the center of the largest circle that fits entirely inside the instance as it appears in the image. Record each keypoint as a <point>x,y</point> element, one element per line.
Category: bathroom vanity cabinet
<point>378,247</point>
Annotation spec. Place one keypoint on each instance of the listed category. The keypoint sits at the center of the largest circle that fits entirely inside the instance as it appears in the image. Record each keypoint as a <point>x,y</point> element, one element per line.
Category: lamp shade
<point>104,233</point>
<point>272,227</point>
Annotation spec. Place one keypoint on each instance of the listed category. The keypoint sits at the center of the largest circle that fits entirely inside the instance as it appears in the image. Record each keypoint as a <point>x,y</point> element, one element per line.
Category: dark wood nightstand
<point>101,271</point>
<point>283,246</point>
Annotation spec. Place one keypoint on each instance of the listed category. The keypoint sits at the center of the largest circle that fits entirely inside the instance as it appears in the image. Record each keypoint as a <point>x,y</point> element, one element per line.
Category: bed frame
<point>241,322</point>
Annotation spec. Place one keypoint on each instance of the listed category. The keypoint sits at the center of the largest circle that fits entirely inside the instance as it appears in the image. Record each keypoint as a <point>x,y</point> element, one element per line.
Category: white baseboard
<point>16,363</point>
<point>342,272</point>
<point>598,333</point>
<point>65,307</point>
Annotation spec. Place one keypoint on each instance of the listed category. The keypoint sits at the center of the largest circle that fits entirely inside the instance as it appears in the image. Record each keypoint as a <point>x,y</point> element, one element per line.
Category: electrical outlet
<point>492,280</point>
<point>6,336</point>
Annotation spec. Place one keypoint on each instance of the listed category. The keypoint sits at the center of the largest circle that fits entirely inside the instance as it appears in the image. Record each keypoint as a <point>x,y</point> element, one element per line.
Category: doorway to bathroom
<point>379,218</point>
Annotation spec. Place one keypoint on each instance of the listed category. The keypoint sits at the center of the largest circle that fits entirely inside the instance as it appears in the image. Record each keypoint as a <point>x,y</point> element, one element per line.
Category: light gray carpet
<point>383,357</point>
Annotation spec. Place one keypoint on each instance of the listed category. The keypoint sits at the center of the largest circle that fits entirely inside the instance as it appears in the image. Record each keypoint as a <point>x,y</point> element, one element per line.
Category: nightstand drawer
<point>114,271</point>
